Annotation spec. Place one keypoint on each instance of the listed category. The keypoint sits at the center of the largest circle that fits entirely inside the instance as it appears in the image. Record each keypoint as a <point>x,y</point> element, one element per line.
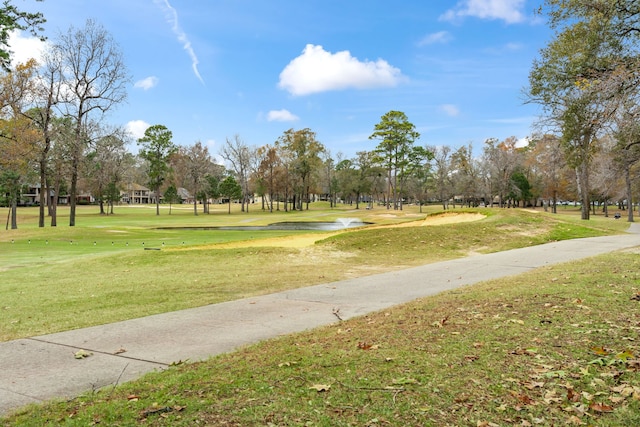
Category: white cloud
<point>172,19</point>
<point>281,116</point>
<point>508,10</point>
<point>317,70</point>
<point>450,110</point>
<point>505,49</point>
<point>25,48</point>
<point>147,83</point>
<point>512,47</point>
<point>439,37</point>
<point>136,128</point>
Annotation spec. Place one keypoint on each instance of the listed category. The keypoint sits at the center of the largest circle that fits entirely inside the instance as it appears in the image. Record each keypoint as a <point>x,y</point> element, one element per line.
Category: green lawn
<point>101,271</point>
<point>553,347</point>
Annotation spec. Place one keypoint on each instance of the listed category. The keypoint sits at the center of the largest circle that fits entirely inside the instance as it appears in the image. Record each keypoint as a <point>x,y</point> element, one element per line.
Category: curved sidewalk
<point>44,367</point>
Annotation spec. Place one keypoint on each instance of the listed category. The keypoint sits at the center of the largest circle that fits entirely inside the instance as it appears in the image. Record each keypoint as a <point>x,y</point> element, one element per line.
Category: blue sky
<point>212,69</point>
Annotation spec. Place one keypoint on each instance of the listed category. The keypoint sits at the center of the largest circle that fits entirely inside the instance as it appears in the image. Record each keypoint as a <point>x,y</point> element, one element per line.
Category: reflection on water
<point>339,224</point>
<point>319,226</point>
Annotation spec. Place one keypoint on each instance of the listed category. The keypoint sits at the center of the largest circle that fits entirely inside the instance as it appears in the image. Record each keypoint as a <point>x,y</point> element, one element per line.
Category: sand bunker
<point>451,218</point>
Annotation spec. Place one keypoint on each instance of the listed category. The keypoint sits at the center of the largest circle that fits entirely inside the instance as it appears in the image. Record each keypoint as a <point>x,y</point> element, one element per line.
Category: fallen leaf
<point>625,355</point>
<point>82,354</point>
<point>572,396</point>
<point>551,397</point>
<point>587,396</point>
<point>634,364</point>
<point>320,387</point>
<point>600,407</point>
<point>524,399</point>
<point>625,390</point>
<point>534,384</point>
<point>524,351</point>
<point>573,420</point>
<point>600,351</point>
<point>366,346</point>
<point>120,351</point>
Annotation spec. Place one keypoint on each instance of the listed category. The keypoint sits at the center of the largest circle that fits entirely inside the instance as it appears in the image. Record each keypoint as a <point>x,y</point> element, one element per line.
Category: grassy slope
<point>60,279</point>
<point>556,346</point>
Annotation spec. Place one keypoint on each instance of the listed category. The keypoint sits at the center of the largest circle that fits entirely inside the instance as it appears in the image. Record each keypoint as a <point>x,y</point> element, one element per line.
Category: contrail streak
<point>172,19</point>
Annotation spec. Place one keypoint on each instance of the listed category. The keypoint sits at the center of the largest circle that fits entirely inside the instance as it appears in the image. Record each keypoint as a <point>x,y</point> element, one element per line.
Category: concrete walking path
<point>40,368</point>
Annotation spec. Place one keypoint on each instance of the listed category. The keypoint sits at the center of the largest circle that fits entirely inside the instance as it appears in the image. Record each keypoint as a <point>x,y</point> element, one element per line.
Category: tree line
<point>586,149</point>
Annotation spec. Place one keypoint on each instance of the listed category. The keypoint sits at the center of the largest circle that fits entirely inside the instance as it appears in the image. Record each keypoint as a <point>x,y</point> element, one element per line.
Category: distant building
<point>185,196</point>
<point>31,196</point>
<point>136,194</point>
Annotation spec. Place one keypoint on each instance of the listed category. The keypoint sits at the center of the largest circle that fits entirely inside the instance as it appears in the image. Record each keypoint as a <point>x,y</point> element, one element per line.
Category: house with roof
<point>136,194</point>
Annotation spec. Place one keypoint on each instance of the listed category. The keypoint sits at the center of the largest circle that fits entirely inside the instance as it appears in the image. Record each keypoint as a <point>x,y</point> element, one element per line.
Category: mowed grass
<point>555,346</point>
<point>101,271</point>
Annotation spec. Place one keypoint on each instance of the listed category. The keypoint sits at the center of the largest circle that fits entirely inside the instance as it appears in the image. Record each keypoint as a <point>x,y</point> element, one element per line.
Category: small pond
<point>339,224</point>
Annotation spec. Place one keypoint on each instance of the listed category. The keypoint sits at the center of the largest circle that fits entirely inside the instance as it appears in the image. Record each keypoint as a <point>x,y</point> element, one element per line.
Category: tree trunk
<point>43,192</point>
<point>73,190</point>
<point>49,199</point>
<point>14,213</point>
<point>54,203</point>
<point>583,185</point>
<point>627,180</point>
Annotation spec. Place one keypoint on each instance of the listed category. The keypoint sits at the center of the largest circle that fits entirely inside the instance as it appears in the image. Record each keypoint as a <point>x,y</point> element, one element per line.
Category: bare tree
<point>546,157</point>
<point>105,169</point>
<point>465,173</point>
<point>96,78</point>
<point>194,164</point>
<point>48,96</point>
<point>442,174</point>
<point>502,159</point>
<point>241,157</point>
